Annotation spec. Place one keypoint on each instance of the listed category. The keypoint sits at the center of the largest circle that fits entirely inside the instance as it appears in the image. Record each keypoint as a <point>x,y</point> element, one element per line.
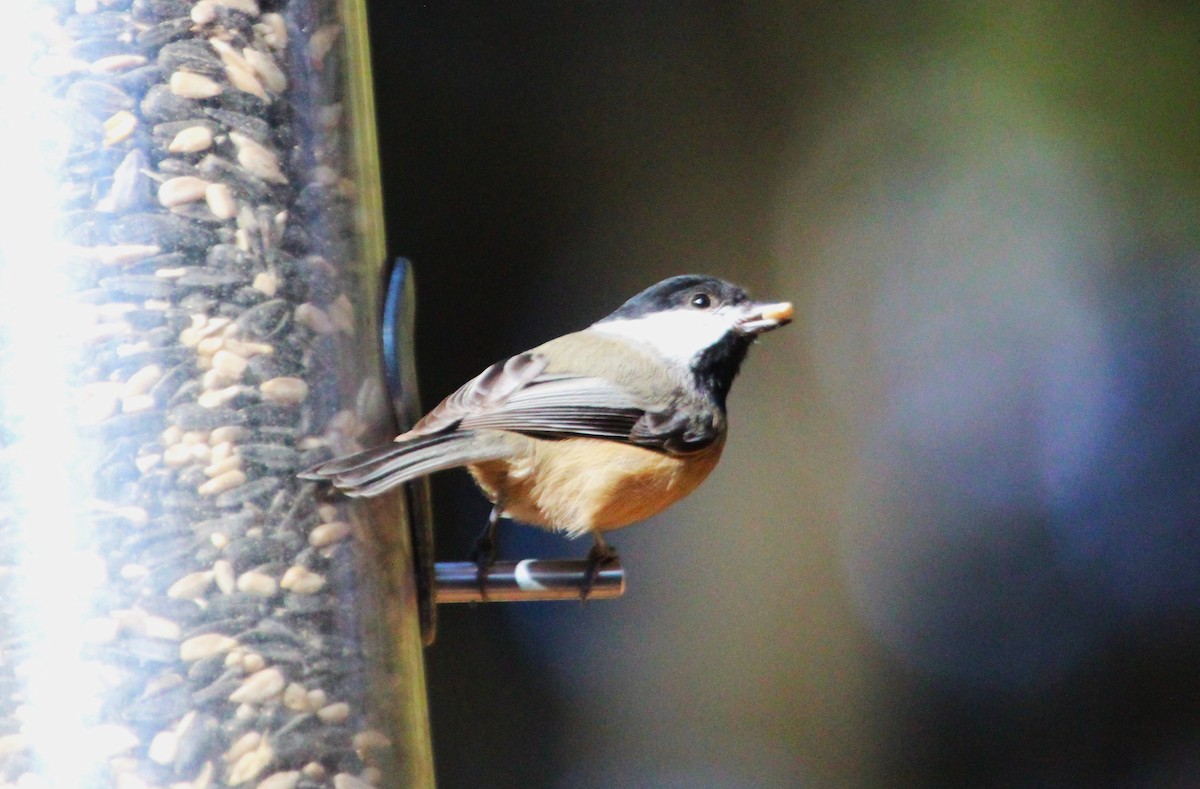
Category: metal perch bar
<point>528,579</point>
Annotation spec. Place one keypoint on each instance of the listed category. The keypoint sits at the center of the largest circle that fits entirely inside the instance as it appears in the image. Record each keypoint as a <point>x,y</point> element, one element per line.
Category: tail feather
<point>375,470</point>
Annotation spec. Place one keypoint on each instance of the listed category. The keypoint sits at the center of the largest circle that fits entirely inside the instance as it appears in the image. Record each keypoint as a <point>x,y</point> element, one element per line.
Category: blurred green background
<point>954,539</point>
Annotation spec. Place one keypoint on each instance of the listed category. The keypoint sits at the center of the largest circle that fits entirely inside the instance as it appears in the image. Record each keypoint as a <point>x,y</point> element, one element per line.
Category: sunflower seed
<point>183,189</point>
<point>281,780</point>
<point>328,534</point>
<point>222,482</point>
<point>285,390</point>
<point>257,159</point>
<point>191,139</point>
<point>190,85</point>
<point>119,126</point>
<point>259,686</point>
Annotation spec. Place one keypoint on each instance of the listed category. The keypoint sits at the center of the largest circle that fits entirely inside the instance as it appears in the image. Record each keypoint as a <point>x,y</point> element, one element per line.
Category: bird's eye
<point>701,301</point>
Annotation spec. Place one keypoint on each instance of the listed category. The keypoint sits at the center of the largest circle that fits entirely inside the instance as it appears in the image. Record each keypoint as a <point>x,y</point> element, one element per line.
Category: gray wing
<point>485,392</point>
<point>519,395</point>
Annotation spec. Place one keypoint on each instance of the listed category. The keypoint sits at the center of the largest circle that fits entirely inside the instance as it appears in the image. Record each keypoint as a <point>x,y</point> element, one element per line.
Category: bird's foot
<point>486,548</point>
<point>601,555</point>
<point>483,554</point>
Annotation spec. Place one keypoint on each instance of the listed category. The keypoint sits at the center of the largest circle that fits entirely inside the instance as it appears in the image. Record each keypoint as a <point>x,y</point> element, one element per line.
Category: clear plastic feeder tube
<point>189,271</point>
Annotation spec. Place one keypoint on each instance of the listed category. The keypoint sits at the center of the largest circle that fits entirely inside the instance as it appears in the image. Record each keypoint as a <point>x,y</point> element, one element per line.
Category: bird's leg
<point>486,547</point>
<point>601,554</point>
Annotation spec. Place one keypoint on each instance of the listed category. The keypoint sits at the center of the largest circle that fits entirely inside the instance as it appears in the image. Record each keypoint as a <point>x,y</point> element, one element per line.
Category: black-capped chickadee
<point>593,430</point>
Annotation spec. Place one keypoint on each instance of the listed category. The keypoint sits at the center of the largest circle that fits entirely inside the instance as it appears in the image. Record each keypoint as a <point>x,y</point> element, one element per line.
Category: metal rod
<point>528,579</point>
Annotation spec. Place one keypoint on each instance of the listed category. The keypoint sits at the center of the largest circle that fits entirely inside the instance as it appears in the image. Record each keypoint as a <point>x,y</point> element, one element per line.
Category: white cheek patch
<point>677,334</point>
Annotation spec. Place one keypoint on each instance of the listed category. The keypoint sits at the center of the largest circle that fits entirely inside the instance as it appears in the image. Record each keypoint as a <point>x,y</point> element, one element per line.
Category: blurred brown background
<point>954,540</point>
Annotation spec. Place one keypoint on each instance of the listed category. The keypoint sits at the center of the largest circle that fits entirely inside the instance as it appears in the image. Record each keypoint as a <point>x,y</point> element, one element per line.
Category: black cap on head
<point>715,365</point>
<point>678,293</point>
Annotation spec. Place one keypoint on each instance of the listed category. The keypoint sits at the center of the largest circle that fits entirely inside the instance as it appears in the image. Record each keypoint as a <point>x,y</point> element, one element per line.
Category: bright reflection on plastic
<point>44,498</point>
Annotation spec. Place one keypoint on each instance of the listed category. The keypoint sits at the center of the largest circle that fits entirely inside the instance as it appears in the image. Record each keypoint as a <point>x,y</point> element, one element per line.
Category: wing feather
<point>519,395</point>
<point>487,391</point>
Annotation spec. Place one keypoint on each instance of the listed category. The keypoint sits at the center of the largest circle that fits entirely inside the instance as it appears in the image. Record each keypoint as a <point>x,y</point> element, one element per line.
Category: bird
<point>591,431</point>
